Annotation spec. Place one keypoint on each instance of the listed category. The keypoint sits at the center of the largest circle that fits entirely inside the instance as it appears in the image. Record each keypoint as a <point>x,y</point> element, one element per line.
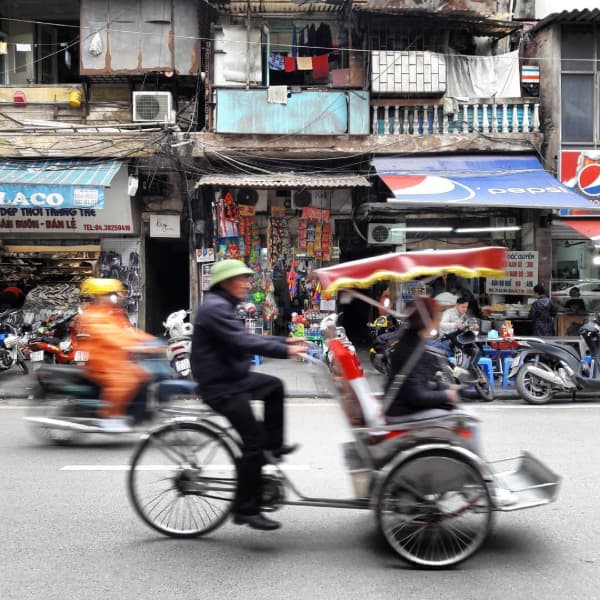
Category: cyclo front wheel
<point>434,510</point>
<point>183,479</point>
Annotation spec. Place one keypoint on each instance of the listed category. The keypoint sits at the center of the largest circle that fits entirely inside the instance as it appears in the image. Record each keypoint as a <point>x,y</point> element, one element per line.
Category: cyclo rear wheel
<point>183,479</point>
<point>434,510</point>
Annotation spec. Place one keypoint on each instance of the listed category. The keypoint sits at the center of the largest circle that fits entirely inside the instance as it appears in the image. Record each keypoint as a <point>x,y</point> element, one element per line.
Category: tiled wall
<point>404,72</point>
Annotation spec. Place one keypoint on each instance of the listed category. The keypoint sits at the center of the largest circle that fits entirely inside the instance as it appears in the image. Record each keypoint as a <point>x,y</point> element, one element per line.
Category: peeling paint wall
<point>137,36</point>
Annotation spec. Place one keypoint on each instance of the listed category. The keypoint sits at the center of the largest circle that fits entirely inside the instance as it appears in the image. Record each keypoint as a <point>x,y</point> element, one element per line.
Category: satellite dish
<point>247,196</point>
<point>302,199</point>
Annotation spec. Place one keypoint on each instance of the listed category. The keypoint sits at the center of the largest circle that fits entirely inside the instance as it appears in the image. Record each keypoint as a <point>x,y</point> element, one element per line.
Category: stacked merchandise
<point>280,251</point>
<point>314,239</point>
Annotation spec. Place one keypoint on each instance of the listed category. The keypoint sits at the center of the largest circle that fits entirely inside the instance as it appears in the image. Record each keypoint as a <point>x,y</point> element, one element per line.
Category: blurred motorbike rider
<point>220,360</point>
<point>108,339</point>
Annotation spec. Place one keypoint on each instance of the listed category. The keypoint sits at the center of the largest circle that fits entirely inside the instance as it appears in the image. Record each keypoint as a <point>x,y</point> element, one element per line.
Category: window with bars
<point>580,84</point>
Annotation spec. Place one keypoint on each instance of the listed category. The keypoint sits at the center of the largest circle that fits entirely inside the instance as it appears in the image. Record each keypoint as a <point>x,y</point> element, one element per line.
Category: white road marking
<point>163,467</point>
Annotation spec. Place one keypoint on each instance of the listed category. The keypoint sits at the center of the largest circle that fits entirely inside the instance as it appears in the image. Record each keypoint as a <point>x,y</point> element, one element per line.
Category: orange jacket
<point>111,335</point>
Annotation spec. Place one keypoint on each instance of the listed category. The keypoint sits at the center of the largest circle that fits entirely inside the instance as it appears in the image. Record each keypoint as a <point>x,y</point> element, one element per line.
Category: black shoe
<point>285,449</point>
<point>257,521</point>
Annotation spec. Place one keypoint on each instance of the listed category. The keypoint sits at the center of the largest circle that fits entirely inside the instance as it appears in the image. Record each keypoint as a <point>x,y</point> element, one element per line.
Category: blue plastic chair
<point>506,364</point>
<point>488,368</point>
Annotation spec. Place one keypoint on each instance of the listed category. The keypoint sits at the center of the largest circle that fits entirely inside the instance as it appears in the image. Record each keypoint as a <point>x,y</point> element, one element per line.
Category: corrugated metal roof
<point>278,6</point>
<point>577,17</point>
<point>284,180</point>
<point>59,172</point>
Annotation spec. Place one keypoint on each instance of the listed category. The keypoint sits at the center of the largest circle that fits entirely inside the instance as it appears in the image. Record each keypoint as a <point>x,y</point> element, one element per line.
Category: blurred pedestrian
<point>542,312</point>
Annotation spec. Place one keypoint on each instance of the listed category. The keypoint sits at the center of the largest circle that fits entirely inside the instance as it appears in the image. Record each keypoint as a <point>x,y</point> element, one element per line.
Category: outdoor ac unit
<point>389,234</point>
<point>153,107</point>
<point>301,199</point>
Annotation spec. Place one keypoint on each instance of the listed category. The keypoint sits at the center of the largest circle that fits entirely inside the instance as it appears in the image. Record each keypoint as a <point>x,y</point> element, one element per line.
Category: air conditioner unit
<point>153,107</point>
<point>301,199</point>
<point>389,234</point>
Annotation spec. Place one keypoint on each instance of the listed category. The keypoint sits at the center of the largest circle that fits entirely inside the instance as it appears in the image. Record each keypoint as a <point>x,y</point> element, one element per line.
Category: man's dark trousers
<point>256,436</point>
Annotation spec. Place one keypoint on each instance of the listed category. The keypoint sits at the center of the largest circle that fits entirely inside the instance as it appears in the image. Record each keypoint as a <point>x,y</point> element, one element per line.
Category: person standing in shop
<point>542,312</point>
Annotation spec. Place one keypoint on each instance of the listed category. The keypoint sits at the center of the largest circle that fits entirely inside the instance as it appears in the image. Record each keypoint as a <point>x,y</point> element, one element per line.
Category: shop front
<point>283,227</point>
<point>468,201</point>
<point>63,221</point>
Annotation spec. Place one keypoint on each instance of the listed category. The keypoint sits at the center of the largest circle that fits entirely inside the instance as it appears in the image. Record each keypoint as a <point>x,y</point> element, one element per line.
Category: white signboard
<point>520,275</point>
<point>165,226</point>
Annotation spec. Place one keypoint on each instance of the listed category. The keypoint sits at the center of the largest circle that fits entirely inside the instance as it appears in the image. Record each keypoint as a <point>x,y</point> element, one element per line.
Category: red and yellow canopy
<point>404,266</point>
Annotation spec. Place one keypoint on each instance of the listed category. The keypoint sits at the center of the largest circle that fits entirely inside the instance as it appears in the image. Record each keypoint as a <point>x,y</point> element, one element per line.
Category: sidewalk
<point>301,380</point>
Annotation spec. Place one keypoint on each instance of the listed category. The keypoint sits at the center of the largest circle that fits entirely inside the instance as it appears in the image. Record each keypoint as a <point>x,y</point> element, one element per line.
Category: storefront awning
<point>475,181</point>
<point>55,184</point>
<point>590,228</point>
<point>284,180</point>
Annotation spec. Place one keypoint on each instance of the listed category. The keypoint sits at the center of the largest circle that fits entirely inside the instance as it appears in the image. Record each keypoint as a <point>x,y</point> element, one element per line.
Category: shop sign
<point>580,171</point>
<point>520,275</point>
<point>205,255</point>
<point>316,214</point>
<point>116,218</point>
<point>36,196</point>
<point>165,226</point>
<point>206,268</point>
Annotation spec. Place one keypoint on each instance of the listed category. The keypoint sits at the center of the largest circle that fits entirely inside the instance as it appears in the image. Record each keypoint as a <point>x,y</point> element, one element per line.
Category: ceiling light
<point>416,229</point>
<point>485,229</point>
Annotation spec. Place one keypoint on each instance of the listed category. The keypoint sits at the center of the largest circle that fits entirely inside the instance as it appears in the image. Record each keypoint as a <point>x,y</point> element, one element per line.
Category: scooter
<point>11,343</point>
<point>179,343</point>
<point>66,404</point>
<point>330,330</point>
<point>384,333</point>
<point>466,353</point>
<point>542,369</point>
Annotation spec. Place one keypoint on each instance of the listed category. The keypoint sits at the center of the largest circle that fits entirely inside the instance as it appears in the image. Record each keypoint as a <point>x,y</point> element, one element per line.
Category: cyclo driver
<point>220,360</point>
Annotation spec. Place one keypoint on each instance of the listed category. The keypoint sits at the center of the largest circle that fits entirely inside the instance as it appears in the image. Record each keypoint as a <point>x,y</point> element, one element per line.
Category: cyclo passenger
<point>220,361</point>
<point>414,391</point>
<point>109,337</point>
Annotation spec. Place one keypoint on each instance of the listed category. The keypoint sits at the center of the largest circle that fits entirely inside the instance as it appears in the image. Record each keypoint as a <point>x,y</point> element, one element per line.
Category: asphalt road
<point>68,530</point>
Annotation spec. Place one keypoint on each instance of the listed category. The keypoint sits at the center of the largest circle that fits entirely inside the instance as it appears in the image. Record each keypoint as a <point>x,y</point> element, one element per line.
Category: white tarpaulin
<point>483,76</point>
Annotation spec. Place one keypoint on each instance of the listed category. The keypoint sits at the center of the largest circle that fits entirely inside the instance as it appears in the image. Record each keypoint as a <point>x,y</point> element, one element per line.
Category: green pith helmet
<point>226,269</point>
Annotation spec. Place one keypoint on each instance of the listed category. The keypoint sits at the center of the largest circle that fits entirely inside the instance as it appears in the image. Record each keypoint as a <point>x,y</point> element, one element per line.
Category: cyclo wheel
<point>183,479</point>
<point>434,510</point>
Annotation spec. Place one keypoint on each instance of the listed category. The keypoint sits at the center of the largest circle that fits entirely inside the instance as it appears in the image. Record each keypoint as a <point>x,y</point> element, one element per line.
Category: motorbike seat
<point>60,376</point>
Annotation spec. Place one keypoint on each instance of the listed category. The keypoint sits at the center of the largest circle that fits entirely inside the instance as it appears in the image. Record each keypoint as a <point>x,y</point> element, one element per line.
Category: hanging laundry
<point>320,65</point>
<point>276,62</point>
<point>289,64</point>
<point>304,63</point>
<point>323,37</point>
<point>277,94</point>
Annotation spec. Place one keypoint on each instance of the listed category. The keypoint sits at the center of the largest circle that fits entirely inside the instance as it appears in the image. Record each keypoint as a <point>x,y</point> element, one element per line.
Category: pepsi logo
<point>589,179</point>
<point>427,187</point>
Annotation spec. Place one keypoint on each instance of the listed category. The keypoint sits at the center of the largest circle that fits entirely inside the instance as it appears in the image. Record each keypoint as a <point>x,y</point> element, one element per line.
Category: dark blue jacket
<point>542,313</point>
<point>222,348</point>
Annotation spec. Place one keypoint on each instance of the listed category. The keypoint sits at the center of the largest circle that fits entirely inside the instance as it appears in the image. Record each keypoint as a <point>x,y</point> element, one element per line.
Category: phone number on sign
<point>88,227</point>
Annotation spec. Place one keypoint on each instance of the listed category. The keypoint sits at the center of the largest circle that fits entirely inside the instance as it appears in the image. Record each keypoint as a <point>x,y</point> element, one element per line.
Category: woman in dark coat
<point>542,312</point>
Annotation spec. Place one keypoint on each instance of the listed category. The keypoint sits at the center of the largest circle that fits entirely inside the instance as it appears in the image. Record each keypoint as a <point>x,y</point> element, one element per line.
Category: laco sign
<point>51,197</point>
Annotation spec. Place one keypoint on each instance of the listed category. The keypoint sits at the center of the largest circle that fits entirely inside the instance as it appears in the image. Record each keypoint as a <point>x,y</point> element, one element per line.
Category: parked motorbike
<point>179,342</point>
<point>66,403</point>
<point>384,333</point>
<point>55,341</point>
<point>11,342</point>
<point>330,330</point>
<point>542,369</point>
<point>466,351</point>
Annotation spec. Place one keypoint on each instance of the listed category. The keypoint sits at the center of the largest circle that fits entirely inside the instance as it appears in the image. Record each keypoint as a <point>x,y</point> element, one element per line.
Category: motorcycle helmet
<point>96,286</point>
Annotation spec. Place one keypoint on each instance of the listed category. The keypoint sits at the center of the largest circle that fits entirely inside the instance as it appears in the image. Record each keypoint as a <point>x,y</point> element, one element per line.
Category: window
<point>580,78</point>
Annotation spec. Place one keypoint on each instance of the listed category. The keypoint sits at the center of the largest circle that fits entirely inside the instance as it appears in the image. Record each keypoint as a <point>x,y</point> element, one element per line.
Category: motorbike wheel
<point>483,385</point>
<point>378,362</point>
<point>531,388</point>
<point>52,409</point>
<point>183,480</point>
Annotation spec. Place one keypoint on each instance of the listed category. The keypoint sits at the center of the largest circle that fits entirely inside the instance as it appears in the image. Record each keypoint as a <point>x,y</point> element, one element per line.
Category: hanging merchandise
<point>279,243</point>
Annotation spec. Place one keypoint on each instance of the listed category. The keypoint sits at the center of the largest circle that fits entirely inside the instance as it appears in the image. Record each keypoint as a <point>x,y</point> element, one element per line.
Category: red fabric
<point>289,64</point>
<point>320,66</point>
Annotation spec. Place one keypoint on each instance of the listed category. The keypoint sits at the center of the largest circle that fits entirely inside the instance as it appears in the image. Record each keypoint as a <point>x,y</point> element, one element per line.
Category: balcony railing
<point>422,118</point>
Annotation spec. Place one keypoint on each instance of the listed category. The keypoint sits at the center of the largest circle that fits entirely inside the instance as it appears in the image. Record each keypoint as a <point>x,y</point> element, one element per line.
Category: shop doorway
<point>167,280</point>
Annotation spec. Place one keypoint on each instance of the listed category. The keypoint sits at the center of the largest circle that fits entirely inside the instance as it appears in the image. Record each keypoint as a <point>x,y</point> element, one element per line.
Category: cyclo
<point>431,493</point>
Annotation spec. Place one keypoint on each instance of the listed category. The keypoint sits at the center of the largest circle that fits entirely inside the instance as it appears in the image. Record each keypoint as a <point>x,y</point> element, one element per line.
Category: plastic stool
<point>487,365</point>
<point>256,360</point>
<point>506,364</point>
